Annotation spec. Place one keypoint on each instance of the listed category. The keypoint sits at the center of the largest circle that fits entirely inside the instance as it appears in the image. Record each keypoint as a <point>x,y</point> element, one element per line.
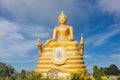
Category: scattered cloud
<point>87,56</point>
<point>35,31</point>
<point>115,56</point>
<point>111,7</point>
<point>18,41</point>
<point>39,11</point>
<point>101,38</point>
<point>9,30</point>
<point>12,42</point>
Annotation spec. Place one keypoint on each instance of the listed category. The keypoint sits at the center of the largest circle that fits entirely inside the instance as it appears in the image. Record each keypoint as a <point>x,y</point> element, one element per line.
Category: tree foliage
<point>98,73</point>
<point>112,70</point>
<point>75,76</point>
<point>6,70</point>
<point>80,76</point>
<point>22,75</point>
<point>33,76</point>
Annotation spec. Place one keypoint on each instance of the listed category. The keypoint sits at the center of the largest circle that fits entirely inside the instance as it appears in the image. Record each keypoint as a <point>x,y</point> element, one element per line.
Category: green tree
<point>96,73</point>
<point>101,71</point>
<point>113,70</point>
<point>12,77</point>
<point>33,76</point>
<point>118,78</point>
<point>6,70</point>
<point>75,76</point>
<point>22,75</point>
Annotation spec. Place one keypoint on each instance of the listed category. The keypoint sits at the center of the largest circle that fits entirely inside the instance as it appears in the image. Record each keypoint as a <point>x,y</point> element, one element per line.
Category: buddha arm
<point>53,38</point>
<point>71,34</point>
<point>54,34</point>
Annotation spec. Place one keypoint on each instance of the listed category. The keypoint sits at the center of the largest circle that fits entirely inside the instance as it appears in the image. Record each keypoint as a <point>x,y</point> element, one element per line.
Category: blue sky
<point>22,21</point>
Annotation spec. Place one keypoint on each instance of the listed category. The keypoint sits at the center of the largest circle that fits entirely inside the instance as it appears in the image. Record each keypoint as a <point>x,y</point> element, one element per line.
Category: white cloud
<point>35,31</point>
<point>87,56</point>
<point>26,9</point>
<point>101,38</point>
<point>110,6</point>
<point>15,43</point>
<point>9,30</point>
<point>115,56</point>
<point>10,38</point>
<point>40,11</point>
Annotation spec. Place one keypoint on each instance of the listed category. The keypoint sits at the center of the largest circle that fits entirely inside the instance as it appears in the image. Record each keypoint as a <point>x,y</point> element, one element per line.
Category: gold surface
<point>62,32</point>
<point>39,46</point>
<point>71,59</point>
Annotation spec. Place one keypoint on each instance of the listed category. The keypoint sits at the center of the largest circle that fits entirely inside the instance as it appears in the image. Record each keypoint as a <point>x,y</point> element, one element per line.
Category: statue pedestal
<point>64,59</point>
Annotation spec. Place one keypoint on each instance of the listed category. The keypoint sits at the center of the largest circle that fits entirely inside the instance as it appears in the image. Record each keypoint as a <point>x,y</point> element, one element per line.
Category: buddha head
<point>62,19</point>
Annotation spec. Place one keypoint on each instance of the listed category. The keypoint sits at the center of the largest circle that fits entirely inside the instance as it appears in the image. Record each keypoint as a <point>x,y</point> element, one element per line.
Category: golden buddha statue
<point>61,53</point>
<point>63,33</point>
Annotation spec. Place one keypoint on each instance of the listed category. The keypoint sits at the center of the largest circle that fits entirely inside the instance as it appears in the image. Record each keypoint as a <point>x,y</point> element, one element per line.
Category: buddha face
<point>62,20</point>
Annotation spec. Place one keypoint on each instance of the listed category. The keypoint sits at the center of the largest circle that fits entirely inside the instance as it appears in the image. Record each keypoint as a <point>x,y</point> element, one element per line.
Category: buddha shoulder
<point>70,27</point>
<point>66,26</point>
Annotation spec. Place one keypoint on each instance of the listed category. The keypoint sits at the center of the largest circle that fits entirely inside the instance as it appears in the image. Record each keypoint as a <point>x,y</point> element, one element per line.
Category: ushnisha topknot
<point>62,15</point>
